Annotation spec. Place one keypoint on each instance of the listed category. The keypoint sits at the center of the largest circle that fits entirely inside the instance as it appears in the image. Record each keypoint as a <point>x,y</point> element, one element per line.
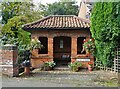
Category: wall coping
<point>8,47</point>
<point>6,66</point>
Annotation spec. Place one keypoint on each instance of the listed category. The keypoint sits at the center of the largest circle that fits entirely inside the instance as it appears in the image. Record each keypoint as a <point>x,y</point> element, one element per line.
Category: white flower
<point>90,39</point>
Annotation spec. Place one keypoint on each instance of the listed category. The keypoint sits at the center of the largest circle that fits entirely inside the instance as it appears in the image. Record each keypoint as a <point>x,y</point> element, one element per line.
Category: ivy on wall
<point>105,29</point>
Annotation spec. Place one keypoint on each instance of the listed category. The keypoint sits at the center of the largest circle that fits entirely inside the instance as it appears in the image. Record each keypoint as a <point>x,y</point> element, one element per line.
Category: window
<point>44,42</point>
<point>80,45</point>
<point>61,43</point>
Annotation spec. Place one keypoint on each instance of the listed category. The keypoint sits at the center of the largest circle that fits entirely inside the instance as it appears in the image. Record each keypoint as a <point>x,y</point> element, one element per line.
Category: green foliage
<point>89,46</point>
<point>24,50</point>
<point>60,8</point>
<point>14,29</point>
<point>49,64</point>
<point>16,14</point>
<point>11,9</point>
<point>4,39</point>
<point>35,43</point>
<point>105,29</point>
<point>75,66</point>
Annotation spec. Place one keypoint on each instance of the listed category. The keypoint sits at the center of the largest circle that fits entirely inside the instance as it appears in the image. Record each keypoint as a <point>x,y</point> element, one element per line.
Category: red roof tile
<point>58,22</point>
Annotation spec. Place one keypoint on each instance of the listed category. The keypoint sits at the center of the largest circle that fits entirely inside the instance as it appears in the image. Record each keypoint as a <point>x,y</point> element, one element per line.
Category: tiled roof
<point>59,22</point>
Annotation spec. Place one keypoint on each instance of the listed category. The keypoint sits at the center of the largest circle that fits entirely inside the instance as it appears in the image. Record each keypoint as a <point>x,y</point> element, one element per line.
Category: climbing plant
<point>105,29</point>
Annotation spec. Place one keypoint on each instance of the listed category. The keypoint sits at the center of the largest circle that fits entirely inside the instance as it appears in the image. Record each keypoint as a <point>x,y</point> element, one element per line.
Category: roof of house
<point>58,22</point>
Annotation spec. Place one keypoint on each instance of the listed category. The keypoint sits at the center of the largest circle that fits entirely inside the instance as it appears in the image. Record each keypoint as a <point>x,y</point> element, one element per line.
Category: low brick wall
<point>9,60</point>
<point>38,62</point>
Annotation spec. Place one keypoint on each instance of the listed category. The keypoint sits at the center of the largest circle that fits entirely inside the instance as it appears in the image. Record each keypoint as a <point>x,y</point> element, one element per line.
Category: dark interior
<point>62,50</point>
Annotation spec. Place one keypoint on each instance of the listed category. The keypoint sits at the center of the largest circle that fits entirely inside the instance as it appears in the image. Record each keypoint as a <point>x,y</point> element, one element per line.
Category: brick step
<point>62,68</point>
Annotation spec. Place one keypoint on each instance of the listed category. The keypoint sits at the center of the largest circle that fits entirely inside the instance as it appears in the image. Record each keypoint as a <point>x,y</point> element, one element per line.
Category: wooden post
<point>27,70</point>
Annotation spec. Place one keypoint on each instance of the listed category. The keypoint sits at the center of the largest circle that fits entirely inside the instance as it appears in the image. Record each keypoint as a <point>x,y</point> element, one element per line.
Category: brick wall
<point>51,34</point>
<point>9,60</point>
<point>56,33</point>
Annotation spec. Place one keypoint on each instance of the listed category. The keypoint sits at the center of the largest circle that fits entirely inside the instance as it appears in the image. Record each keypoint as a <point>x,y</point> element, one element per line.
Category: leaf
<point>105,30</point>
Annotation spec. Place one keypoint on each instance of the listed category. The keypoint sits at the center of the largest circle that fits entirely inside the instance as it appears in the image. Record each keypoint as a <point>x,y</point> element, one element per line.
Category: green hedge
<point>105,29</point>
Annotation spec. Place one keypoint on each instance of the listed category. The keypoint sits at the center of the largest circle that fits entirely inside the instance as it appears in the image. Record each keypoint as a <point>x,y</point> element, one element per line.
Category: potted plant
<point>90,66</point>
<point>35,45</point>
<point>89,46</point>
<point>51,64</point>
<point>75,66</point>
<point>48,65</point>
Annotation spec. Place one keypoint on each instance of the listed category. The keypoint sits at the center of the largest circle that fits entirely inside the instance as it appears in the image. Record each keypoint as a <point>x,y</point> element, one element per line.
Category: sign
<point>80,59</point>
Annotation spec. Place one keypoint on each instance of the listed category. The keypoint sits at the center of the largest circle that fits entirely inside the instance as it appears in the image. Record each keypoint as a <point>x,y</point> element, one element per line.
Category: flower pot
<point>34,52</point>
<point>51,68</point>
<point>47,68</point>
<point>90,68</point>
<point>74,69</point>
<point>73,60</point>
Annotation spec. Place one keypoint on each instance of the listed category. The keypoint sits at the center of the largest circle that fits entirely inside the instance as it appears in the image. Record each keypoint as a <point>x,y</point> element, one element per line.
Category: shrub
<point>105,22</point>
<point>75,66</point>
<point>48,65</point>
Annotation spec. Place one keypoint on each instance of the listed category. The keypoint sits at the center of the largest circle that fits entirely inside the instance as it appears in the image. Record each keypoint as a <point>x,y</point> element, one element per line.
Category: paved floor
<point>59,79</point>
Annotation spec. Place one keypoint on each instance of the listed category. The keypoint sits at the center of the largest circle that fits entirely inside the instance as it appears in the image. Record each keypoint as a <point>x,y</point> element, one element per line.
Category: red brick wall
<point>51,34</point>
<point>55,33</point>
<point>8,60</point>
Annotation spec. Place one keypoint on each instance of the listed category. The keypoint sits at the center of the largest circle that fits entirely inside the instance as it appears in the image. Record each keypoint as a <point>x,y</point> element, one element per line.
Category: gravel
<point>58,79</point>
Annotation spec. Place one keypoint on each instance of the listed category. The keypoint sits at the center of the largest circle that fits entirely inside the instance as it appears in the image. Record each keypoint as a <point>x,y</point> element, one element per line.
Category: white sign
<point>80,59</point>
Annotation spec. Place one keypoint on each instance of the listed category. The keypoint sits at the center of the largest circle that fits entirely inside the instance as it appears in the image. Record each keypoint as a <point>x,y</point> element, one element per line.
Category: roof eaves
<point>36,21</point>
<point>75,28</point>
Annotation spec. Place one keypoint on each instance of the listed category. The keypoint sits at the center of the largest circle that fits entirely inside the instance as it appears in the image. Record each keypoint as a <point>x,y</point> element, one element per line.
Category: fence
<point>116,63</point>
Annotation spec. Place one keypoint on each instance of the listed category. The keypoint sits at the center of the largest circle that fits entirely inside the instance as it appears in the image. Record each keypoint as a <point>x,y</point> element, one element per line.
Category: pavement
<point>40,78</point>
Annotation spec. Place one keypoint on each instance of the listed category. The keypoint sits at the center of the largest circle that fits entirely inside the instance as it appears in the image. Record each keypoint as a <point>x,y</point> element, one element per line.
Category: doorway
<point>62,50</point>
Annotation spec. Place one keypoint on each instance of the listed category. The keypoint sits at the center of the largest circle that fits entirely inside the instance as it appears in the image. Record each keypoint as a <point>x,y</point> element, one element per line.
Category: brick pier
<point>9,60</point>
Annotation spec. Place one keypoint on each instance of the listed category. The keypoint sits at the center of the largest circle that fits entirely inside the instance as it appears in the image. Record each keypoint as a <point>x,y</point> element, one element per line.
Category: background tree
<point>105,29</point>
<point>11,9</point>
<point>59,8</point>
<point>16,14</point>
<point>13,28</point>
